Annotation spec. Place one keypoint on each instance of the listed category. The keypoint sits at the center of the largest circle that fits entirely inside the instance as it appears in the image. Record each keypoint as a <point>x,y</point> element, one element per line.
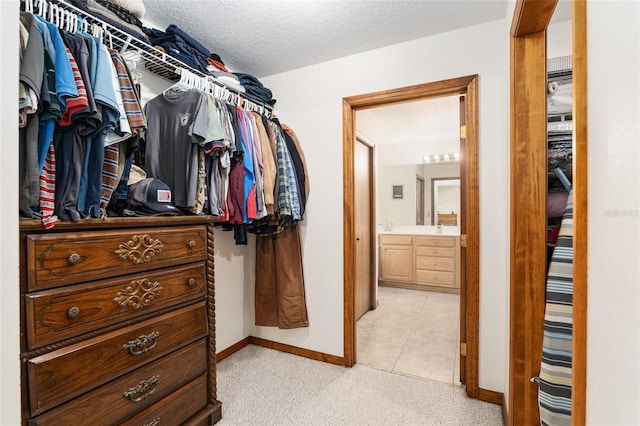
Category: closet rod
<point>156,61</point>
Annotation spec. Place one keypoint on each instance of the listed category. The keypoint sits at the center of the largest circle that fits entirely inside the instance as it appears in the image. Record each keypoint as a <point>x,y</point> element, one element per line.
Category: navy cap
<point>152,197</point>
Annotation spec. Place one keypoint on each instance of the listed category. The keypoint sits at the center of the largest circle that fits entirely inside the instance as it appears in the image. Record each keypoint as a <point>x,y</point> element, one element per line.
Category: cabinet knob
<point>191,244</point>
<point>192,282</point>
<point>73,312</point>
<point>73,258</point>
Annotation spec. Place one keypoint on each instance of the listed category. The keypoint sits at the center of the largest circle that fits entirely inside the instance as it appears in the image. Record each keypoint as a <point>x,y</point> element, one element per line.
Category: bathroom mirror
<point>445,201</point>
<point>417,182</point>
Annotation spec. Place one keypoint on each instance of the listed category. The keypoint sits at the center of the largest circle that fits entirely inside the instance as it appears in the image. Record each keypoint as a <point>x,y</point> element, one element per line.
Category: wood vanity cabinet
<point>429,262</point>
<point>118,322</point>
<point>396,258</point>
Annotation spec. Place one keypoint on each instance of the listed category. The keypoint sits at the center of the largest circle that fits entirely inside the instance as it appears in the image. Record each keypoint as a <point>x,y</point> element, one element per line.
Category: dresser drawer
<point>73,257</point>
<point>65,312</point>
<point>175,409</point>
<point>58,376</point>
<point>435,263</point>
<point>401,240</point>
<point>435,241</point>
<point>437,278</point>
<point>435,251</point>
<point>142,387</point>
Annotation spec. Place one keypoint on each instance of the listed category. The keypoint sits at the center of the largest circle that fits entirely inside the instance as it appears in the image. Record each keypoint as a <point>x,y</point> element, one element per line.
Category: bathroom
<point>415,328</point>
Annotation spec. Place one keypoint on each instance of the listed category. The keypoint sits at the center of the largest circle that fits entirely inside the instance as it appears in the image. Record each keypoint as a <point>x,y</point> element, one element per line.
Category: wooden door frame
<point>462,85</point>
<point>528,206</point>
<point>420,185</point>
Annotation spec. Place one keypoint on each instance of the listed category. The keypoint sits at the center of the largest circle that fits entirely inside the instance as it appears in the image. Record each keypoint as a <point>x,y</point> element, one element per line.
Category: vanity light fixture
<point>441,158</point>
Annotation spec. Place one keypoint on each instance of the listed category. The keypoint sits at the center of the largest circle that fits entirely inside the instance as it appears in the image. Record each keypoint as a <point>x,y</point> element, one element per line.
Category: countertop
<point>419,230</point>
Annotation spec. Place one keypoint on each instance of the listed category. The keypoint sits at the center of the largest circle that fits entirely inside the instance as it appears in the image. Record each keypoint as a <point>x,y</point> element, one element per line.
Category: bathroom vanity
<point>420,258</point>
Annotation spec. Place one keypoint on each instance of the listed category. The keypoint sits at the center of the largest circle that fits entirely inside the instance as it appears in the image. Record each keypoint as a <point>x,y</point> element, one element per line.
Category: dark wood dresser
<point>118,322</point>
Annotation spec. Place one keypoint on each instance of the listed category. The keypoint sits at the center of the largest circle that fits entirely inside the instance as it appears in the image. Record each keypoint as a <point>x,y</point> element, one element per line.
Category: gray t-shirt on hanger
<point>176,125</point>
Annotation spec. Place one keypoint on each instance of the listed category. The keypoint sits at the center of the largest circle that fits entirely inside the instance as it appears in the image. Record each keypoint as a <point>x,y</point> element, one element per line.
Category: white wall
<point>474,50</point>
<point>9,259</point>
<point>399,211</point>
<point>613,306</point>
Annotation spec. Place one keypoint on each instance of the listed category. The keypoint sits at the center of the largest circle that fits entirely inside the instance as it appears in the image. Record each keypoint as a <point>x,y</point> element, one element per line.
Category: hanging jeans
<point>280,300</point>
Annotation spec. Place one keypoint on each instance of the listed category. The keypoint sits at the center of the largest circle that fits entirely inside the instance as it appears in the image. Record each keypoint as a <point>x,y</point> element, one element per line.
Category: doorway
<point>528,232</point>
<point>469,286</point>
<point>413,328</point>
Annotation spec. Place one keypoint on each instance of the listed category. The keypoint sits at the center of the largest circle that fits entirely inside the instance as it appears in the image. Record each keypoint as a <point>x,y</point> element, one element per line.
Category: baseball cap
<point>151,197</point>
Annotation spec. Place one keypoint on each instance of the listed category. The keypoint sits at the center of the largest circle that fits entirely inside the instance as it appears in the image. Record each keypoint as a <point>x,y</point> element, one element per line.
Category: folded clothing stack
<point>229,80</point>
<point>181,46</point>
<point>254,89</point>
<point>122,14</point>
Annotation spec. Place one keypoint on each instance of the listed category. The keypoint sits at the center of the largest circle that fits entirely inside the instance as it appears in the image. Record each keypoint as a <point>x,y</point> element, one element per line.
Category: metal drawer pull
<point>73,312</point>
<point>154,422</point>
<point>191,244</point>
<point>192,282</point>
<point>143,390</point>
<point>142,344</point>
<point>73,258</point>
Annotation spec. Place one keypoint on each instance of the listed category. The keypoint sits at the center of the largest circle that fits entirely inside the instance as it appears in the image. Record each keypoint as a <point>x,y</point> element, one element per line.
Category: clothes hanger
<point>68,21</point>
<point>42,7</point>
<point>52,8</point>
<point>181,85</point>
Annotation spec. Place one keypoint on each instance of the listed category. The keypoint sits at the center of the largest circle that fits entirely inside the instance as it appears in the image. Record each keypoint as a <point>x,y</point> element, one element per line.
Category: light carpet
<point>259,386</point>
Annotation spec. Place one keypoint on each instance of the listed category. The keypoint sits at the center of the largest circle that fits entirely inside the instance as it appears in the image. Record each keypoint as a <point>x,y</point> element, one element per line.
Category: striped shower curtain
<point>554,394</point>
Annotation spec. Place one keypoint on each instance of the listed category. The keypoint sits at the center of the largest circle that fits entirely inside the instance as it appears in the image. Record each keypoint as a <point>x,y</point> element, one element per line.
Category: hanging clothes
<point>31,76</point>
<point>554,395</point>
<point>279,289</point>
<point>176,126</point>
<point>73,111</point>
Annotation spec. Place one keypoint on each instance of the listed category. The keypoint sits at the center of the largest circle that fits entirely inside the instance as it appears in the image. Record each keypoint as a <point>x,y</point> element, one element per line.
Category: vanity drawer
<point>65,373</point>
<point>437,278</point>
<point>435,251</point>
<point>153,382</point>
<point>435,241</point>
<point>72,257</point>
<point>65,312</point>
<point>175,409</point>
<point>401,240</point>
<point>435,263</point>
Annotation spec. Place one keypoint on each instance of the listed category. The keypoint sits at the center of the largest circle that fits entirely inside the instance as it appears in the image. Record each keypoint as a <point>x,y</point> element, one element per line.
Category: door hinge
<point>463,240</point>
<point>463,131</point>
<point>463,349</point>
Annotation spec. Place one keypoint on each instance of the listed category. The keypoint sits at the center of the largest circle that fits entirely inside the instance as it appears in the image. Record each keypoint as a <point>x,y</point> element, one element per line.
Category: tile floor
<point>412,332</point>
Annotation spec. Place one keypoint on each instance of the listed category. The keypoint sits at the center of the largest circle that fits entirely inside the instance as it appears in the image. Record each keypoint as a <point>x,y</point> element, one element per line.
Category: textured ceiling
<point>266,37</point>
